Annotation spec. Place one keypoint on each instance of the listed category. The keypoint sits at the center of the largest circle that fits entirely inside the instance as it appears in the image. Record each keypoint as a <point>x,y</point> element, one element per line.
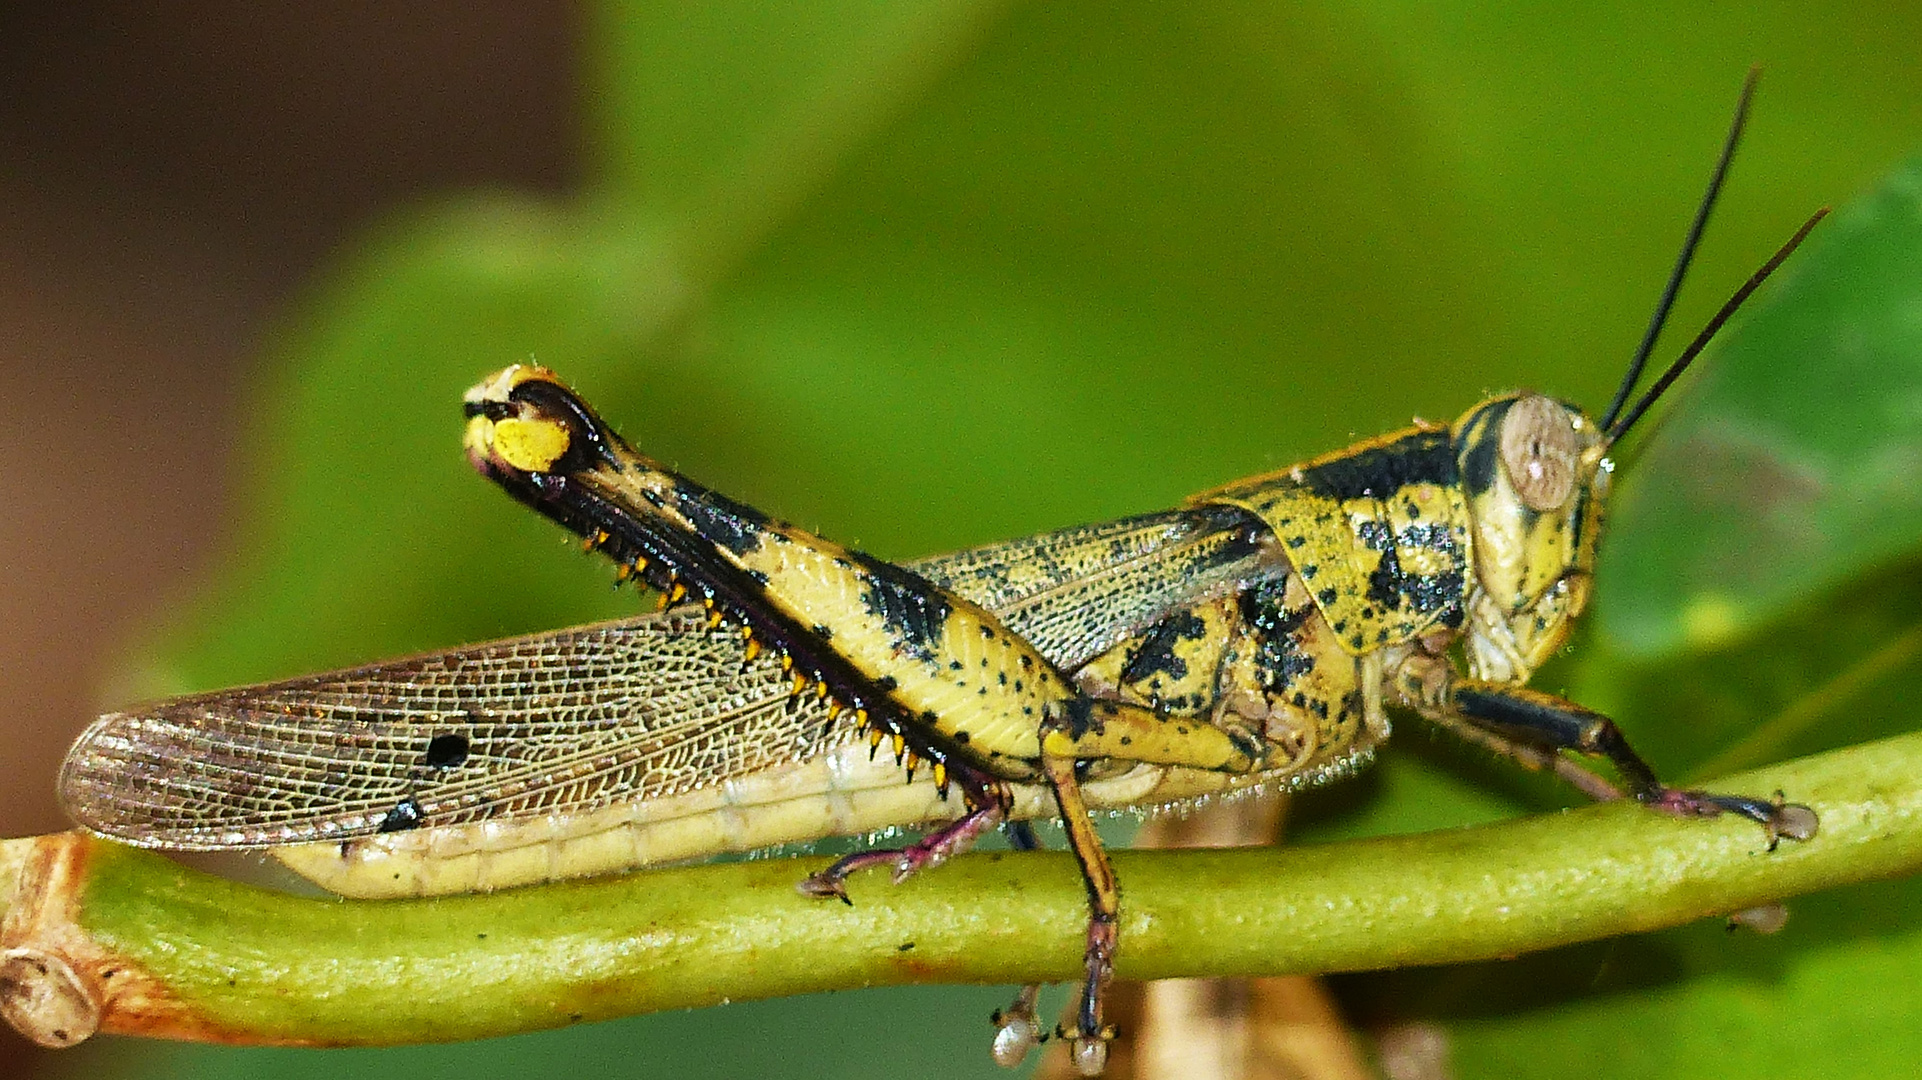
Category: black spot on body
<point>1278,657</point>
<point>718,519</point>
<point>1157,653</point>
<point>1327,596</point>
<point>887,684</point>
<point>914,608</point>
<point>1385,584</point>
<point>822,631</point>
<point>1079,714</point>
<point>1478,457</point>
<point>1265,608</point>
<point>1352,703</point>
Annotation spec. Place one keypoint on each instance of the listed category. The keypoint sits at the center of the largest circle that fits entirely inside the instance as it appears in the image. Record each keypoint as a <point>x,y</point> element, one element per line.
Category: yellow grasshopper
<point>793,689</point>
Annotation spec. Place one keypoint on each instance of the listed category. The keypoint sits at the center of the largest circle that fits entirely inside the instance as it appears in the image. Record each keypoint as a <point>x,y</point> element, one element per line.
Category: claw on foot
<point>823,885</point>
<point>1795,821</point>
<point>1090,1055</point>
<point>1016,1031</point>
<point>1087,1050</point>
<point>1762,919</point>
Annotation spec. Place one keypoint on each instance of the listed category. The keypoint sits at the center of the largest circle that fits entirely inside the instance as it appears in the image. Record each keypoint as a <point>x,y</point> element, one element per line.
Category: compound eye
<point>1540,452</point>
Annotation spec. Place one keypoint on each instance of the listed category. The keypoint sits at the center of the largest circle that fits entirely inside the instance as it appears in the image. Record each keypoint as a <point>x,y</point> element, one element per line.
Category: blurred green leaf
<point>923,278</point>
<point>1795,464</point>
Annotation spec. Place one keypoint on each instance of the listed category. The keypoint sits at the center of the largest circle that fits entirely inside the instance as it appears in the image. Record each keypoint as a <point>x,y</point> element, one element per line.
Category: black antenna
<point>1708,332</point>
<point>1689,245</point>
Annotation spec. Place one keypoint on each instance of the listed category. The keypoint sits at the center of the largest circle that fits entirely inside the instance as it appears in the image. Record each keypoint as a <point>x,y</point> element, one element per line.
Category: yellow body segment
<point>1380,534</point>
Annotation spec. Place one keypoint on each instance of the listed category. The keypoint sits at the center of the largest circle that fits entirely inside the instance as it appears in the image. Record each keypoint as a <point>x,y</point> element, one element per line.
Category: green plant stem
<point>259,966</point>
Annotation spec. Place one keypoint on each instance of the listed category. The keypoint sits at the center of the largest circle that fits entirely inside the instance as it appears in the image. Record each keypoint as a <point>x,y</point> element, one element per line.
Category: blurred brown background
<point>169,178</point>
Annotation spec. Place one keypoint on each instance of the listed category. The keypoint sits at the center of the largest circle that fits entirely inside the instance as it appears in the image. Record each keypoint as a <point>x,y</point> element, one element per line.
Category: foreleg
<point>1540,729</point>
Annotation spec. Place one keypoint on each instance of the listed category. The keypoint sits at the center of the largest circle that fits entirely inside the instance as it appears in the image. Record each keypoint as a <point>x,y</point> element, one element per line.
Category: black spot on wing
<point>1424,457</point>
<point>447,750</point>
<point>914,608</point>
<point>405,815</point>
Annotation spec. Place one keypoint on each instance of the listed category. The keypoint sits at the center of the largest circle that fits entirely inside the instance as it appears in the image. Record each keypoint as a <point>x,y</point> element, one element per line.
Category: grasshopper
<point>1249,639</point>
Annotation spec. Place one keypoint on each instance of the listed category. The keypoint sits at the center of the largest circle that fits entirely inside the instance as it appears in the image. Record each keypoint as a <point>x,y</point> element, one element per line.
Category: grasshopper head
<point>1535,476</point>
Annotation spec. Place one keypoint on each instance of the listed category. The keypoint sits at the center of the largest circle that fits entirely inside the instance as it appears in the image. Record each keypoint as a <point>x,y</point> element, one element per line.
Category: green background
<point>923,276</point>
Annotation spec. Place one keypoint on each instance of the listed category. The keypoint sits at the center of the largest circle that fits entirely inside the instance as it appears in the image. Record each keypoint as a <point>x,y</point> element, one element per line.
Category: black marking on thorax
<point>1396,589</point>
<point>1278,655</point>
<point>1482,445</point>
<point>1157,655</point>
<point>1421,457</point>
